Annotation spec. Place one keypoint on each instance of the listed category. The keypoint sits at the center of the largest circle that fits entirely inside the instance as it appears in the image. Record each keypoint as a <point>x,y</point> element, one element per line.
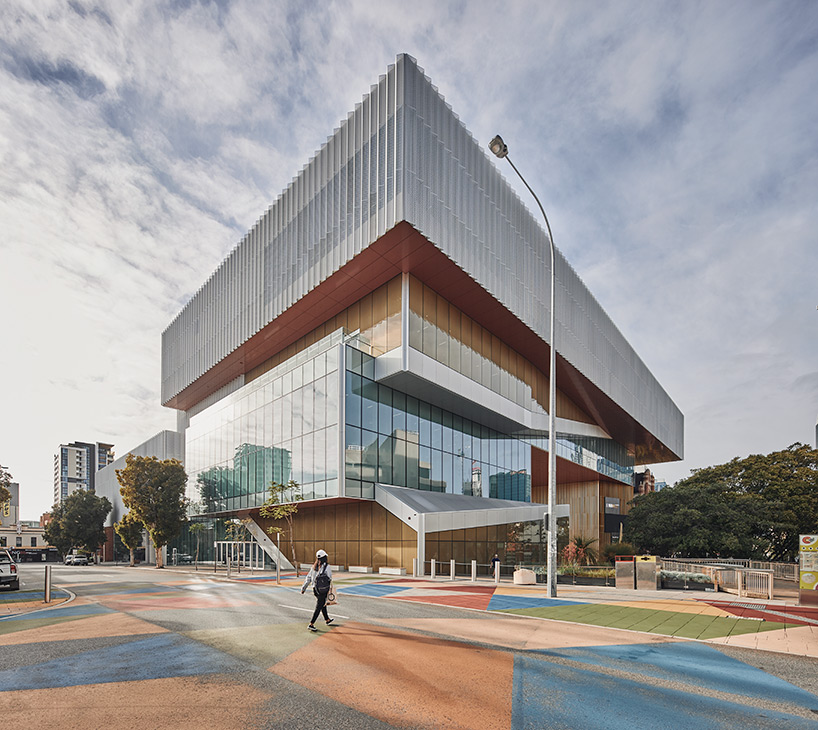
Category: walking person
<point>321,575</point>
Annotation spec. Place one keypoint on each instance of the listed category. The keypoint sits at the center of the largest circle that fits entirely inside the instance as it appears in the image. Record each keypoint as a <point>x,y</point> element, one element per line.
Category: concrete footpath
<point>139,648</point>
<point>719,618</point>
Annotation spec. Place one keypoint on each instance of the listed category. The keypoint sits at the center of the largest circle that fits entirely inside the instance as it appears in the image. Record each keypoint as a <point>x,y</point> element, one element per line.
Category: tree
<point>130,530</point>
<point>78,521</point>
<point>786,481</point>
<point>699,521</point>
<point>197,528</point>
<point>154,490</point>
<point>282,504</point>
<point>54,532</point>
<point>747,508</point>
<point>5,483</point>
<point>579,551</point>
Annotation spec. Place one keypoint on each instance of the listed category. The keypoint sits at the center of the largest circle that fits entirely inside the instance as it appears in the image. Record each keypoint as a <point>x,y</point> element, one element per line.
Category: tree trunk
<point>158,548</point>
<point>292,549</point>
<point>133,557</point>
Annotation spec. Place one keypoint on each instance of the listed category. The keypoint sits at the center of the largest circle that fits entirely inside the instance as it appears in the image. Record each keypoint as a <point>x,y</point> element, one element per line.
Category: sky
<point>673,145</point>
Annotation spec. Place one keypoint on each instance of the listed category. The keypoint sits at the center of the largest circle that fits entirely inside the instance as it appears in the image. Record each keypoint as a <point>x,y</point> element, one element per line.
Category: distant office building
<point>164,445</point>
<point>660,486</point>
<point>381,335</point>
<point>10,509</point>
<point>643,482</point>
<point>76,465</point>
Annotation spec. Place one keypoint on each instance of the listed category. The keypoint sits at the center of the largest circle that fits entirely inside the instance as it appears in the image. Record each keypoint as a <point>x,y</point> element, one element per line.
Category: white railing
<point>742,581</point>
<point>782,571</point>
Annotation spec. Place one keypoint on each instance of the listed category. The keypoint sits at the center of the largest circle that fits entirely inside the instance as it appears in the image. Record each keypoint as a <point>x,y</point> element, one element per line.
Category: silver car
<point>8,571</point>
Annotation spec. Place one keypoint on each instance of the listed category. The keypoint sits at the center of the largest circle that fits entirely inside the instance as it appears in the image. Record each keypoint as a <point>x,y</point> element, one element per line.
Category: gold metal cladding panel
<point>377,315</point>
<point>343,530</point>
<point>437,329</point>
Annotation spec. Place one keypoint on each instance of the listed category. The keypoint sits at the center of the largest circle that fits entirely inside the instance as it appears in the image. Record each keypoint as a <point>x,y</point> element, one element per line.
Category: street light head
<point>498,147</point>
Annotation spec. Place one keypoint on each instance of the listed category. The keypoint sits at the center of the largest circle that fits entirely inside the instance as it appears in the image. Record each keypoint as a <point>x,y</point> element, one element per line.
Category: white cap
<point>320,554</point>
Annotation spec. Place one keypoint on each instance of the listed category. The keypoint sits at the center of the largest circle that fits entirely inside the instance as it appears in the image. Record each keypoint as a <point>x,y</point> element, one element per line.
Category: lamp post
<point>499,148</point>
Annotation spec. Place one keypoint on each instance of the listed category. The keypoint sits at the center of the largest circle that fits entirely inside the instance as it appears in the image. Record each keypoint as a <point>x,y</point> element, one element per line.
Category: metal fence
<point>782,571</point>
<point>731,577</point>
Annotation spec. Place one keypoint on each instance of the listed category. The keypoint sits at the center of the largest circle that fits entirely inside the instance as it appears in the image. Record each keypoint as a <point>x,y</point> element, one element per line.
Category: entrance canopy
<point>439,512</point>
<point>427,512</point>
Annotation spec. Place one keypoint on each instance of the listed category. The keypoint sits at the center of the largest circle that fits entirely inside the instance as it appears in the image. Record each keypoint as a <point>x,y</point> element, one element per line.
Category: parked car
<point>184,559</point>
<point>76,559</point>
<point>8,571</point>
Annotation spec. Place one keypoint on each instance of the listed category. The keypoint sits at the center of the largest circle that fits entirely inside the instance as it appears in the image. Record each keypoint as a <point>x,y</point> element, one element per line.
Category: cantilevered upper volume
<point>402,188</point>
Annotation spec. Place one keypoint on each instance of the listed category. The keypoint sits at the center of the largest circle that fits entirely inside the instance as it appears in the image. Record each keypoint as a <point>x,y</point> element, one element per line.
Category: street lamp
<point>499,148</point>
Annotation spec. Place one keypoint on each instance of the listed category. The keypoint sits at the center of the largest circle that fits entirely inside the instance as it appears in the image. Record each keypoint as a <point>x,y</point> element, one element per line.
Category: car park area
<point>8,571</point>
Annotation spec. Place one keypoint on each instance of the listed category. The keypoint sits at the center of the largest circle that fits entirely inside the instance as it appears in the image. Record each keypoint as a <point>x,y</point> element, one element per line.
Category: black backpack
<point>322,582</point>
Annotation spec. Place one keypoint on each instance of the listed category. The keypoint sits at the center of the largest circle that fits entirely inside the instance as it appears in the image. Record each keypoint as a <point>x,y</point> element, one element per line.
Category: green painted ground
<point>666,623</point>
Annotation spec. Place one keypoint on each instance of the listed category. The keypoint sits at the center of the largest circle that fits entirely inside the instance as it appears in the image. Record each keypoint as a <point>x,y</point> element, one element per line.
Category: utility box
<point>625,573</point>
<point>647,572</point>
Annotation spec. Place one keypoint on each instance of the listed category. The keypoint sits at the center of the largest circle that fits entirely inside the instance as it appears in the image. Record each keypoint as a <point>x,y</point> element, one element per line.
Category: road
<point>145,648</point>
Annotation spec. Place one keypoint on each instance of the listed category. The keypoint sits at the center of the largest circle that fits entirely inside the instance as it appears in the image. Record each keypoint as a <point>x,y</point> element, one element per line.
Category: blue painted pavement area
<point>676,691</point>
<point>694,664</point>
<point>167,655</point>
<point>502,603</point>
<point>376,589</point>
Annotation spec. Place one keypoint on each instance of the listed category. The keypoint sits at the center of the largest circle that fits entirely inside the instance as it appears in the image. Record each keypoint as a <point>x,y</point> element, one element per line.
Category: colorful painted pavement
<point>777,628</point>
<point>111,660</point>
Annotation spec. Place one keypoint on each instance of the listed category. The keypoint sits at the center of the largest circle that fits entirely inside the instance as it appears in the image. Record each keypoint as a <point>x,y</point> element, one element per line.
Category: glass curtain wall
<point>394,438</point>
<point>281,426</point>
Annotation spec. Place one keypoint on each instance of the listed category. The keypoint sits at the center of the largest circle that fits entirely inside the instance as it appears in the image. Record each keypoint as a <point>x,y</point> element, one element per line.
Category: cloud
<point>672,145</point>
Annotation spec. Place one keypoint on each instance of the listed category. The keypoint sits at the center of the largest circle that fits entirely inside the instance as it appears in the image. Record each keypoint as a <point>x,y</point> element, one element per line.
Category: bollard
<point>415,567</point>
<point>451,570</point>
<point>497,572</point>
<point>47,584</point>
<point>433,568</point>
<point>473,571</point>
<point>278,558</point>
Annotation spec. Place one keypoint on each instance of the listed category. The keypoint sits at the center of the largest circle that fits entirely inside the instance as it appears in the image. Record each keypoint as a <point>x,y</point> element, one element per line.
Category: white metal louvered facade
<point>403,154</point>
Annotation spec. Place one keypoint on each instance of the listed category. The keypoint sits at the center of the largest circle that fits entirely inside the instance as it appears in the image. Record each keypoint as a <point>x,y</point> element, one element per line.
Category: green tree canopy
<point>78,521</point>
<point>747,508</point>
<point>154,490</point>
<point>130,530</point>
<point>5,483</point>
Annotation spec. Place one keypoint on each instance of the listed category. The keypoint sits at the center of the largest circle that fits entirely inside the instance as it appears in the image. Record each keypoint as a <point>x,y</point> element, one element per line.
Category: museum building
<point>380,336</point>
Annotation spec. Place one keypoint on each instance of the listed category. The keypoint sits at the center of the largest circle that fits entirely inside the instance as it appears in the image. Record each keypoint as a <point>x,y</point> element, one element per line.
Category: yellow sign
<point>808,562</point>
<point>808,543</point>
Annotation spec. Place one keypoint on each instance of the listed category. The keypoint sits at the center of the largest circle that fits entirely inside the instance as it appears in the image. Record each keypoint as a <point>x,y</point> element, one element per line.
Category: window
<point>19,542</point>
<point>33,542</point>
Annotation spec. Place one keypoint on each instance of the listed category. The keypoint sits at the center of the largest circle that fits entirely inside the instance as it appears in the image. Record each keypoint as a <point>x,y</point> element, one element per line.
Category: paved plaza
<point>142,648</point>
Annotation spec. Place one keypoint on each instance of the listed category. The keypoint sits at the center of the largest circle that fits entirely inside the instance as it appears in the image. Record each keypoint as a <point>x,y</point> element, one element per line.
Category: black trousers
<point>320,607</point>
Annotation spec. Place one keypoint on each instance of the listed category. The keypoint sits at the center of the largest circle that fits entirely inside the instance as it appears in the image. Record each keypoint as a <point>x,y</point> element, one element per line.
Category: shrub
<point>609,552</point>
<point>681,576</point>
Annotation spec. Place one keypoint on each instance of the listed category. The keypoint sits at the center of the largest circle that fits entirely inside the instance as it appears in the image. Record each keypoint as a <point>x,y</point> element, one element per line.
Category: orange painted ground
<point>91,627</point>
<point>406,679</point>
<point>183,703</point>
